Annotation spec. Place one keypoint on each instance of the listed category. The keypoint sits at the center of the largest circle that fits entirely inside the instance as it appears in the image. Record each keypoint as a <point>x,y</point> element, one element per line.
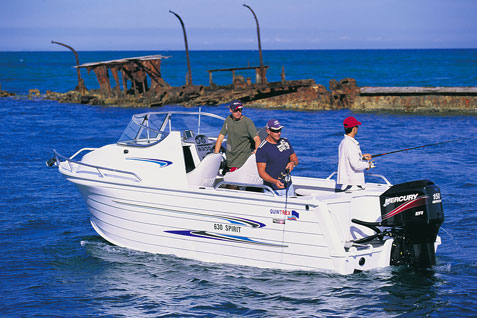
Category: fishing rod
<point>286,179</point>
<point>435,144</point>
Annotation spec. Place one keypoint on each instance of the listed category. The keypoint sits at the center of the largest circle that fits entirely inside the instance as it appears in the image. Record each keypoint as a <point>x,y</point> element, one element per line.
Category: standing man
<point>241,133</point>
<point>275,159</point>
<point>351,165</point>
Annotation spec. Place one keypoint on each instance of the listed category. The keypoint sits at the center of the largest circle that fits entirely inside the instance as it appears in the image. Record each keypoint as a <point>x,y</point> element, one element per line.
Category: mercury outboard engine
<point>414,212</point>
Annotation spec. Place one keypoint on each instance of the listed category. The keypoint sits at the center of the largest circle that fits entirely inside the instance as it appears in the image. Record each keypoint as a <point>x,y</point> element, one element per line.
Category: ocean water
<point>21,71</point>
<point>54,265</point>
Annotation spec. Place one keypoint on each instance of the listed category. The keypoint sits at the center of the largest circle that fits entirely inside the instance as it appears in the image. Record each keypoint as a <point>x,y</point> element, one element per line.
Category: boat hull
<point>224,226</point>
<point>161,189</point>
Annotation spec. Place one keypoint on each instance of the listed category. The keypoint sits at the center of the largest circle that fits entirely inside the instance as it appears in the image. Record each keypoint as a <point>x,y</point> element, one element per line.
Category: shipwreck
<point>137,81</point>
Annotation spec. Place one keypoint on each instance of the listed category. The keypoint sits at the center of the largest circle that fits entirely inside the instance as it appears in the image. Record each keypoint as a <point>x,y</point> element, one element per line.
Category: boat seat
<point>204,174</point>
<point>247,173</point>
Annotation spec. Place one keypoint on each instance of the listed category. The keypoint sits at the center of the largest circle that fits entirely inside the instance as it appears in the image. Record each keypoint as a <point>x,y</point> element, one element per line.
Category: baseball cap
<point>235,105</point>
<point>350,122</point>
<point>274,124</point>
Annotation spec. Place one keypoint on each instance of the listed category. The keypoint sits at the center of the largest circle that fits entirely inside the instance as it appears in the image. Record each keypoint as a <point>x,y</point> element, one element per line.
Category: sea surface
<point>53,264</point>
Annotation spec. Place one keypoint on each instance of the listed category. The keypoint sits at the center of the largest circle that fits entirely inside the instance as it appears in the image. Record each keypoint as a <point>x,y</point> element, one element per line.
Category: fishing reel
<point>286,177</point>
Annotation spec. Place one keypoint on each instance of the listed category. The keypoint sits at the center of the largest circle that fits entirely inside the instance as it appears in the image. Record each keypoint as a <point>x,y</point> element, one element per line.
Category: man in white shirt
<point>351,165</point>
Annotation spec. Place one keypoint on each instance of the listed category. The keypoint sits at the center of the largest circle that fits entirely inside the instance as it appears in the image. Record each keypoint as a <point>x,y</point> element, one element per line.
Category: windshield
<point>149,128</point>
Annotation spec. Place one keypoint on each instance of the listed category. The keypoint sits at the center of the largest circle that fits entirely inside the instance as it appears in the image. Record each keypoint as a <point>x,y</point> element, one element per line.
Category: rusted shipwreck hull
<point>138,82</point>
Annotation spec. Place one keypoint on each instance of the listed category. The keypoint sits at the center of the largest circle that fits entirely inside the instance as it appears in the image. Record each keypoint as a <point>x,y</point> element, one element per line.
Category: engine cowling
<point>414,212</point>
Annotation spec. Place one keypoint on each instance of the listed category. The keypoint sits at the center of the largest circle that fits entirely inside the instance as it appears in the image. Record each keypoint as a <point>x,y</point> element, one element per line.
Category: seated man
<point>276,159</point>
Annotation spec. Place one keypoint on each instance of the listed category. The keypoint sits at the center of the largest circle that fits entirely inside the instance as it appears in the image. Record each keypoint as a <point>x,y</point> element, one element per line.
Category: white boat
<point>159,189</point>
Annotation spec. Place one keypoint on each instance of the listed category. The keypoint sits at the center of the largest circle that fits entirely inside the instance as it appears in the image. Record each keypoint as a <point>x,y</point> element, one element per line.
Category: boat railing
<point>246,185</point>
<point>379,176</point>
<point>367,174</point>
<point>58,157</point>
<point>80,151</point>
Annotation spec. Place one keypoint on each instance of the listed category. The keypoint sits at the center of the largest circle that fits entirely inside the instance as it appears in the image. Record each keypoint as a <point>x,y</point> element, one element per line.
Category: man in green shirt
<point>241,132</point>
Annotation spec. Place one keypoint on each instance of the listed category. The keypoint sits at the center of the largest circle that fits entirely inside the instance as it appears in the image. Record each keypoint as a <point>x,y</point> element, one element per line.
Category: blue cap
<point>274,124</point>
<point>235,105</point>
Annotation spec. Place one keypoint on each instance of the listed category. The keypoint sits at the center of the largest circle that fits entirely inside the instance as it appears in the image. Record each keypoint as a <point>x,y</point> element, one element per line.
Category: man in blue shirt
<point>275,159</point>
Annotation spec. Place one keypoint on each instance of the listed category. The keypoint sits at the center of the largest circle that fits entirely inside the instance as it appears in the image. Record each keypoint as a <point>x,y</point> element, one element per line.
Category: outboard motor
<point>414,212</point>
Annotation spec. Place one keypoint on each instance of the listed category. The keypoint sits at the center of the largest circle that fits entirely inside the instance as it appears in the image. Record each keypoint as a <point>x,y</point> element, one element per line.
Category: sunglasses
<point>237,110</point>
<point>275,130</point>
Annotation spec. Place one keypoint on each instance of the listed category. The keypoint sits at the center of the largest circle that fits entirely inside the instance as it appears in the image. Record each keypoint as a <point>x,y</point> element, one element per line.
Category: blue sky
<point>30,25</point>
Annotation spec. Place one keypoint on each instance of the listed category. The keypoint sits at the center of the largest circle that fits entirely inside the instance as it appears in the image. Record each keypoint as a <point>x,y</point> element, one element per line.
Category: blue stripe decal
<point>160,162</point>
<point>222,237</point>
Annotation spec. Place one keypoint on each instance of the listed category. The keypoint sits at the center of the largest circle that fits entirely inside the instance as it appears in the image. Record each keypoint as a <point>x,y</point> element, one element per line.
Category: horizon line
<point>243,50</point>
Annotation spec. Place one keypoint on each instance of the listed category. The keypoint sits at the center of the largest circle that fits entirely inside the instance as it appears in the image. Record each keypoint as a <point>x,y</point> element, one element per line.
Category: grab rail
<point>98,168</point>
<point>80,151</point>
<point>379,176</point>
<point>368,174</point>
<point>250,185</point>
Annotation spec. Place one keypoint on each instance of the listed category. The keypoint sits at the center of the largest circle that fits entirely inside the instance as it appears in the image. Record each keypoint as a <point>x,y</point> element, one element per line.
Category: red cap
<point>350,122</point>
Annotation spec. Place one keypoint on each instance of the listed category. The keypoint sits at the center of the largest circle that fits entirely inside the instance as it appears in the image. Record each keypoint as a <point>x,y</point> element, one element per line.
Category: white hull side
<point>226,227</point>
<point>159,189</point>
